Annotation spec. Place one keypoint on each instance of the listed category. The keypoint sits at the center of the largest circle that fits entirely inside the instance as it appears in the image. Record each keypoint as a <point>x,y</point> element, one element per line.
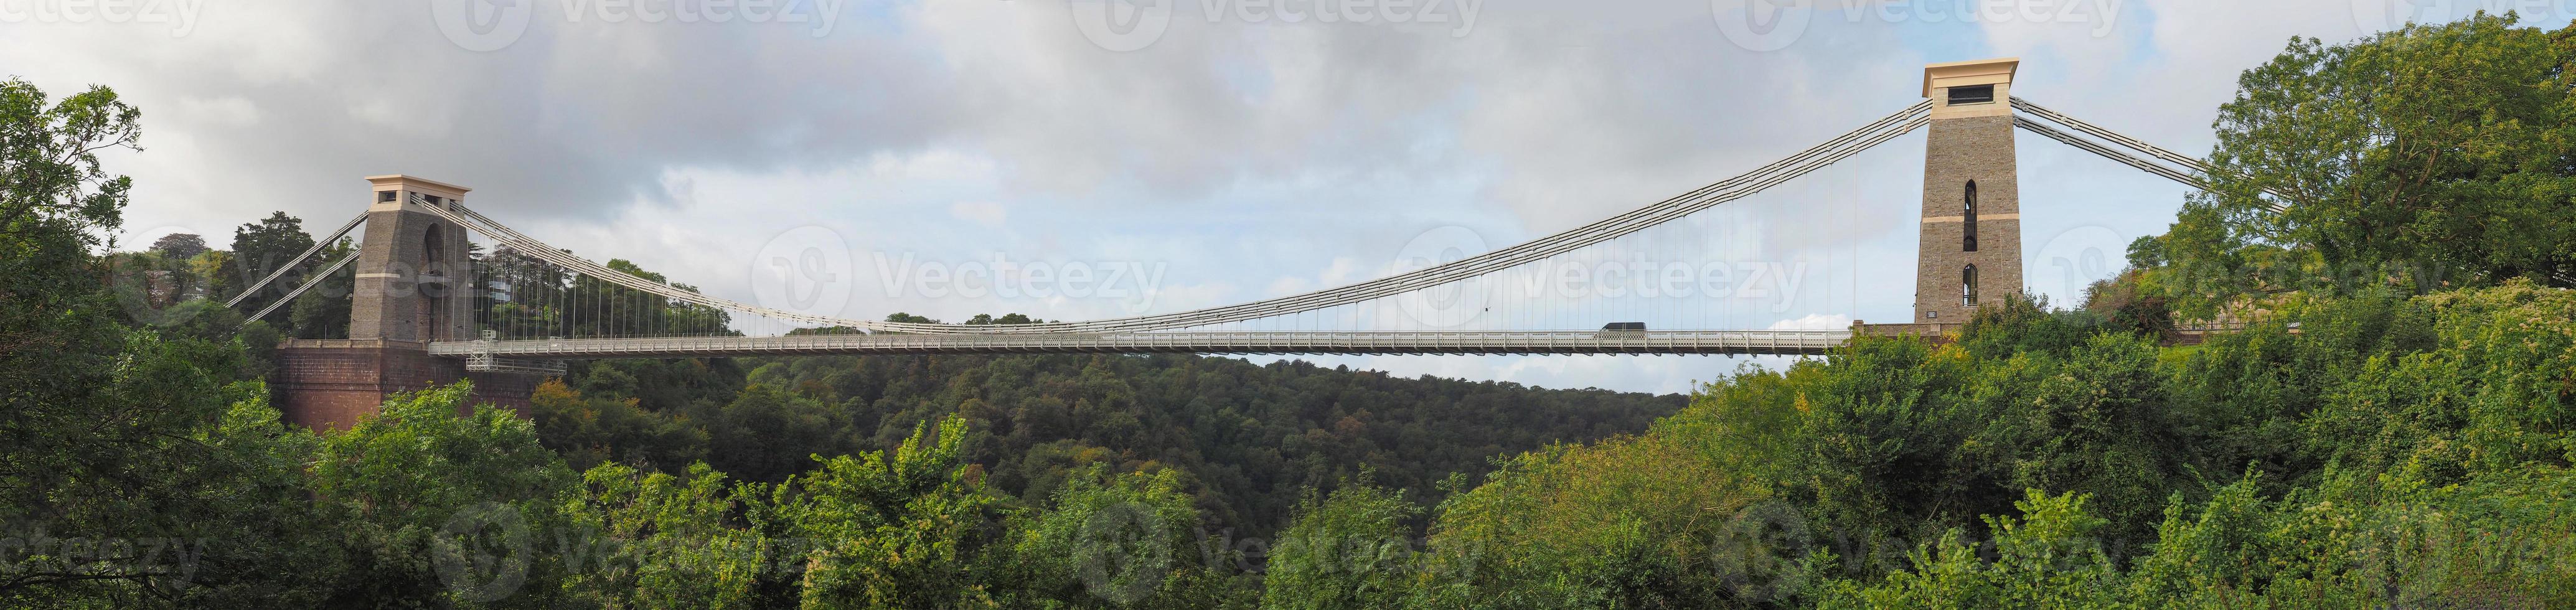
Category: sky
<point>852,158</point>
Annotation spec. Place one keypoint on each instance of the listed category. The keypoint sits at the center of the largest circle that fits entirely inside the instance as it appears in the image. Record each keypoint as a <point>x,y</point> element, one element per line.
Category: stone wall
<point>1958,150</point>
<point>330,384</point>
<point>404,263</point>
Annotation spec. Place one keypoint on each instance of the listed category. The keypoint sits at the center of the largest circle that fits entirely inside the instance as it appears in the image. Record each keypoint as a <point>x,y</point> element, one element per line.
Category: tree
<point>526,294</point>
<point>51,159</point>
<point>766,433</point>
<point>261,248</point>
<point>146,443</point>
<point>2427,157</point>
<point>1350,549</point>
<point>592,431</point>
<point>895,530</point>
<point>432,505</point>
<point>1112,541</point>
<point>666,541</point>
<point>2046,559</point>
<point>180,246</point>
<point>323,311</point>
<point>986,318</point>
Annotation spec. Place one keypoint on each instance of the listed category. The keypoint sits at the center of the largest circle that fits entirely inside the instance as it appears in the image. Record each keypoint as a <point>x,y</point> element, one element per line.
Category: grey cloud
<point>1240,152</point>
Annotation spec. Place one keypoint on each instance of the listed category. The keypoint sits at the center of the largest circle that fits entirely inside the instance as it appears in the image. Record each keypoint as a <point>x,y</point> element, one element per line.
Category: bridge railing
<point>1924,329</point>
<point>1790,342</point>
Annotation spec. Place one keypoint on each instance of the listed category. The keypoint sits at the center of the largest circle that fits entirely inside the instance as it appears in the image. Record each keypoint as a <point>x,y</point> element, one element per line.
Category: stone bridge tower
<point>413,269</point>
<point>414,286</point>
<point>1971,244</point>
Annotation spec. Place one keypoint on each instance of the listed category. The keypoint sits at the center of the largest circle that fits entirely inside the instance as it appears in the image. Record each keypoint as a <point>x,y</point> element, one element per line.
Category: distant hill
<point>1248,438</point>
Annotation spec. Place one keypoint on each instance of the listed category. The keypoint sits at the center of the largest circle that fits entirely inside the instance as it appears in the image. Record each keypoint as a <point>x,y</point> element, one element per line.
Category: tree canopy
<point>2429,157</point>
<point>2391,429</point>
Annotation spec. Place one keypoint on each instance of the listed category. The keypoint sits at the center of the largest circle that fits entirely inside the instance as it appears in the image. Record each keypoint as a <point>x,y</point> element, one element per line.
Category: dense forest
<point>2393,225</point>
<point>1247,441</point>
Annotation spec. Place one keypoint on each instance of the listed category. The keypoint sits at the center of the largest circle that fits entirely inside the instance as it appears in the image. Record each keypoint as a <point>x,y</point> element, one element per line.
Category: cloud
<point>984,213</point>
<point>1245,160</point>
<point>1815,321</point>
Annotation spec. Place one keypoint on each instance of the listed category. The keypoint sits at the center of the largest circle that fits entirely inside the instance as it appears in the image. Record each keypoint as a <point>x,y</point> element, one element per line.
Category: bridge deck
<point>1781,342</point>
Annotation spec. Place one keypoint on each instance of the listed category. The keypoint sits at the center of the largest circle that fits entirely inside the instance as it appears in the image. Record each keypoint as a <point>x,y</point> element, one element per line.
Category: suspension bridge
<point>425,312</point>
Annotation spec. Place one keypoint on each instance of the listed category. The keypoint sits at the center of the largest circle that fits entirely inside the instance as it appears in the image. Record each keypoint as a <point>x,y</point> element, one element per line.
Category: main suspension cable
<point>1833,151</point>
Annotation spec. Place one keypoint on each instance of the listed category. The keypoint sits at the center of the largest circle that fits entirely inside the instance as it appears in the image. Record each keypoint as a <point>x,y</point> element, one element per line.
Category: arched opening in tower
<point>431,286</point>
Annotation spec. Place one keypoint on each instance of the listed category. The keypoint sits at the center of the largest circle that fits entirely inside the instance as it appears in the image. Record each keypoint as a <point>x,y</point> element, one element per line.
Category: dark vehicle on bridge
<point>1622,330</point>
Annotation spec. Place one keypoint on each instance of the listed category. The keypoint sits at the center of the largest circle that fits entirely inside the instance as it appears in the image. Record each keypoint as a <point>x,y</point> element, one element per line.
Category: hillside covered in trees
<point>1246,440</point>
<point>2394,427</point>
<point>146,467</point>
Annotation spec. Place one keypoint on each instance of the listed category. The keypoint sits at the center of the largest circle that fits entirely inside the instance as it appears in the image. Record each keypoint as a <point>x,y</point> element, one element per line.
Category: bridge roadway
<point>1778,342</point>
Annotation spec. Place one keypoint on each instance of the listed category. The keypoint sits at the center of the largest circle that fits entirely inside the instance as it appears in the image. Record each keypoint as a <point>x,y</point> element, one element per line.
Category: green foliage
<point>1352,549</point>
<point>424,500</point>
<point>664,541</point>
<point>180,246</point>
<point>260,248</point>
<point>1904,440</point>
<point>56,187</point>
<point>1115,541</point>
<point>767,433</point>
<point>322,312</point>
<point>126,450</point>
<point>2046,559</point>
<point>2415,450</point>
<point>591,431</point>
<point>900,530</point>
<point>1248,440</point>
<point>2427,157</point>
<point>1628,522</point>
<point>2406,442</point>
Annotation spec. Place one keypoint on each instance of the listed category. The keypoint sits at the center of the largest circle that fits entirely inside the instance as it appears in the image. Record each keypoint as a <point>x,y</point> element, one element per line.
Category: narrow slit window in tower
<point>1968,285</point>
<point>1968,234</point>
